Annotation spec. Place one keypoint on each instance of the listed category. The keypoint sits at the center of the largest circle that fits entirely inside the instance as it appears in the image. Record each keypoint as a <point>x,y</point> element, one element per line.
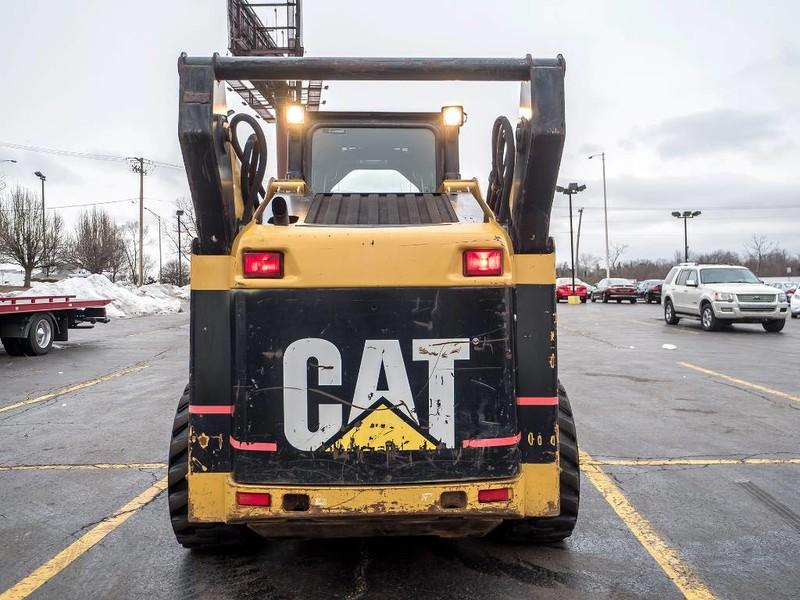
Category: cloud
<point>714,131</point>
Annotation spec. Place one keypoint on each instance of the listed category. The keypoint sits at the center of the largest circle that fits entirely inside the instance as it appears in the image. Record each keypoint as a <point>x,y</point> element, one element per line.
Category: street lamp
<point>11,160</point>
<point>157,216</point>
<point>572,188</point>
<point>41,176</point>
<point>686,215</point>
<point>602,155</point>
<point>179,214</point>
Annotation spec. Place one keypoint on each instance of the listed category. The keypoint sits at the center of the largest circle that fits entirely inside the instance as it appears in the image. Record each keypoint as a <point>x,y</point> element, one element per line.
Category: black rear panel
<point>381,209</point>
<point>373,386</point>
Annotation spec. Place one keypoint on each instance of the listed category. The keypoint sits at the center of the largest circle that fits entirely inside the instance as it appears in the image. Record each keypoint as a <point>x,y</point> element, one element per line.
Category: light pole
<point>602,156</point>
<point>578,242</point>
<point>157,216</point>
<point>686,215</point>
<point>41,176</point>
<point>572,188</point>
<point>179,214</point>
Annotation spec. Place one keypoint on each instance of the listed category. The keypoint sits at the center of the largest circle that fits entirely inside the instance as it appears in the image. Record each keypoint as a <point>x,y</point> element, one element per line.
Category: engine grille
<point>381,209</point>
<point>756,297</point>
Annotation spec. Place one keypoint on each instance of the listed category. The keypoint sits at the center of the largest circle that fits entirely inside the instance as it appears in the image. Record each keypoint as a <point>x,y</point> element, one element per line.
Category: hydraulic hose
<point>502,173</point>
<point>253,159</point>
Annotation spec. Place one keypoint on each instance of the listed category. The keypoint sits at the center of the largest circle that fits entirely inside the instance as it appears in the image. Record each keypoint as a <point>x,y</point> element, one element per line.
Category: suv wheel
<point>774,326</point>
<point>669,313</point>
<point>708,319</point>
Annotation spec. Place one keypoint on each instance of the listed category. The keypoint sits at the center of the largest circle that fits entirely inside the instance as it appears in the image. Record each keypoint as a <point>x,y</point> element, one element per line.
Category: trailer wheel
<point>545,530</point>
<point>40,336</point>
<point>197,536</point>
<point>13,346</point>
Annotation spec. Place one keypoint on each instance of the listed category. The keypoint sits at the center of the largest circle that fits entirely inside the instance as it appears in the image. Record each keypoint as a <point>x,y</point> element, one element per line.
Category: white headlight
<point>295,114</point>
<point>453,116</point>
<point>782,297</point>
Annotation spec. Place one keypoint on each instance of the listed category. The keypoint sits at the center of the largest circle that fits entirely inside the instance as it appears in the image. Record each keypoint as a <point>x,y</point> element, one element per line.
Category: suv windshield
<point>373,159</point>
<point>728,275</point>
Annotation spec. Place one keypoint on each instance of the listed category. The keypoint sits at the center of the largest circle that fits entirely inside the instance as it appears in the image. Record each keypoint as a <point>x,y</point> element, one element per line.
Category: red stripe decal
<point>217,409</point>
<point>537,400</point>
<point>490,442</point>
<point>255,446</point>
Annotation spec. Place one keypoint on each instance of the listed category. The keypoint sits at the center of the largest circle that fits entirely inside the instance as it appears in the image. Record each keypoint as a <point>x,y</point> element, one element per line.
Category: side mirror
<point>691,283</point>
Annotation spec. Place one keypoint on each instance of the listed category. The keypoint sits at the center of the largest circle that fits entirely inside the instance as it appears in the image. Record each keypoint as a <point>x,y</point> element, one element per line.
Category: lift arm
<point>203,129</point>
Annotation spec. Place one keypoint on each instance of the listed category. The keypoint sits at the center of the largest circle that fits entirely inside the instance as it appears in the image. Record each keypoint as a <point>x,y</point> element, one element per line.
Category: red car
<point>564,289</point>
<point>615,289</point>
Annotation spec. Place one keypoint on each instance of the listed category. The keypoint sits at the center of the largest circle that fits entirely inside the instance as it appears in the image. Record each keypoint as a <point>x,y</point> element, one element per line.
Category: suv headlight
<point>782,297</point>
<point>723,296</point>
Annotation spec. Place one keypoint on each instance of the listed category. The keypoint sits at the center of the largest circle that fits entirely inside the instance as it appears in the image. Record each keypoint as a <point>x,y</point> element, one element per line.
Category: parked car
<point>564,289</point>
<point>722,295</point>
<point>649,290</point>
<point>788,288</point>
<point>615,288</point>
<point>794,306</point>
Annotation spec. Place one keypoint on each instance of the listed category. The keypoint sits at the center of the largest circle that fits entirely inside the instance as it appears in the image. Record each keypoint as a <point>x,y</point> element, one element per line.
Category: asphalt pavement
<point>691,483</point>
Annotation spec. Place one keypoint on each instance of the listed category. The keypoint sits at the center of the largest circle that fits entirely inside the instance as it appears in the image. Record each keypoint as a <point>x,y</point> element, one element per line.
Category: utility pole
<point>160,270</point>
<point>578,241</point>
<point>572,188</point>
<point>179,214</point>
<point>686,215</point>
<point>602,156</point>
<point>142,167</point>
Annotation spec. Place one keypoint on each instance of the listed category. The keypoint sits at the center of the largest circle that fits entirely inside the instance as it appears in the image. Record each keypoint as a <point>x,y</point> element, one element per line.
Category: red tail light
<point>268,265</point>
<point>483,263</point>
<point>253,499</point>
<point>500,495</point>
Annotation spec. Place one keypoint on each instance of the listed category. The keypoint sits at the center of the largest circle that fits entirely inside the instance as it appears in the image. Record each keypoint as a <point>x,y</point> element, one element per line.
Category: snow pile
<point>127,300</point>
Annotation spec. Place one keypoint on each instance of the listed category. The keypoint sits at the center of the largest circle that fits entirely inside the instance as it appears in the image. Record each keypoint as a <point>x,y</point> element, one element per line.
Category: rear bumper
<point>535,492</point>
<point>734,311</point>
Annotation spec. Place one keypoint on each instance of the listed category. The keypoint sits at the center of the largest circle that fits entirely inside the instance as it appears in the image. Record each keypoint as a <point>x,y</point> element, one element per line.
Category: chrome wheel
<point>708,318</point>
<point>44,333</point>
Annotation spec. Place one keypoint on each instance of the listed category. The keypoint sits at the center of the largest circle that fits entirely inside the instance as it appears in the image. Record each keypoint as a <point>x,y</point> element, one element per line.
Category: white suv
<point>722,295</point>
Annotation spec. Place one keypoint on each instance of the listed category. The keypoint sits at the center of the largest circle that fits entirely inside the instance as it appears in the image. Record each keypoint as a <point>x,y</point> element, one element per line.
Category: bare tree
<point>757,248</point>
<point>25,237</point>
<point>95,240</point>
<point>130,250</point>
<point>117,259</point>
<point>170,274</point>
<point>615,254</point>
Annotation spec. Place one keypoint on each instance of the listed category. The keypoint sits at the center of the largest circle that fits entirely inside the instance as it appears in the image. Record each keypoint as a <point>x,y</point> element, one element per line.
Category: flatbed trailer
<point>30,324</point>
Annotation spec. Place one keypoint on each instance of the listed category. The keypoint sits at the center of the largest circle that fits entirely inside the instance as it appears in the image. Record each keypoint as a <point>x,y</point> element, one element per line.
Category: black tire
<point>197,536</point>
<point>548,530</point>
<point>669,313</point>
<point>774,325</point>
<point>619,301</point>
<point>604,297</point>
<point>13,346</point>
<point>633,300</point>
<point>593,298</point>
<point>708,319</point>
<point>583,300</point>
<point>41,333</point>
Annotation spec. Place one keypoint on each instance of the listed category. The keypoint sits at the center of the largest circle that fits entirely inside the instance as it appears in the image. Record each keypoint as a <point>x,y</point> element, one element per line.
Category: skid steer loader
<point>373,343</point>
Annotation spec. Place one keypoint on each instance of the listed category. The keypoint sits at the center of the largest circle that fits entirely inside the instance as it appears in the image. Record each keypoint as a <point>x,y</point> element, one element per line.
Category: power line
<point>85,155</point>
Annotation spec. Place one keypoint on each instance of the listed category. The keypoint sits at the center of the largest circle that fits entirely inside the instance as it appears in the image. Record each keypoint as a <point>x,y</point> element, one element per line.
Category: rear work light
<point>268,265</point>
<point>483,263</point>
<point>253,499</point>
<point>498,495</point>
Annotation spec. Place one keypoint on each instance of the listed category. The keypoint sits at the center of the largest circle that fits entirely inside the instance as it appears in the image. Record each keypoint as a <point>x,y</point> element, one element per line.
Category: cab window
<point>682,277</point>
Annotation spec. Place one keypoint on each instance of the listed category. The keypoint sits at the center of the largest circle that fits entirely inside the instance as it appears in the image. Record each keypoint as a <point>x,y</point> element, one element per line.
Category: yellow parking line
<point>742,382</point>
<point>74,387</point>
<point>63,559</point>
<point>67,467</point>
<point>700,462</point>
<point>667,557</point>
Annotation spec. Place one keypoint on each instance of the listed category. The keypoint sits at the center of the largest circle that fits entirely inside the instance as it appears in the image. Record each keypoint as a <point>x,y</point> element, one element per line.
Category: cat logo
<point>378,419</point>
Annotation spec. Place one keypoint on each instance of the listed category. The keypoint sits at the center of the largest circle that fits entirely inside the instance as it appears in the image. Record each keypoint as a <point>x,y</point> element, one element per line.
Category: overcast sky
<point>697,104</point>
